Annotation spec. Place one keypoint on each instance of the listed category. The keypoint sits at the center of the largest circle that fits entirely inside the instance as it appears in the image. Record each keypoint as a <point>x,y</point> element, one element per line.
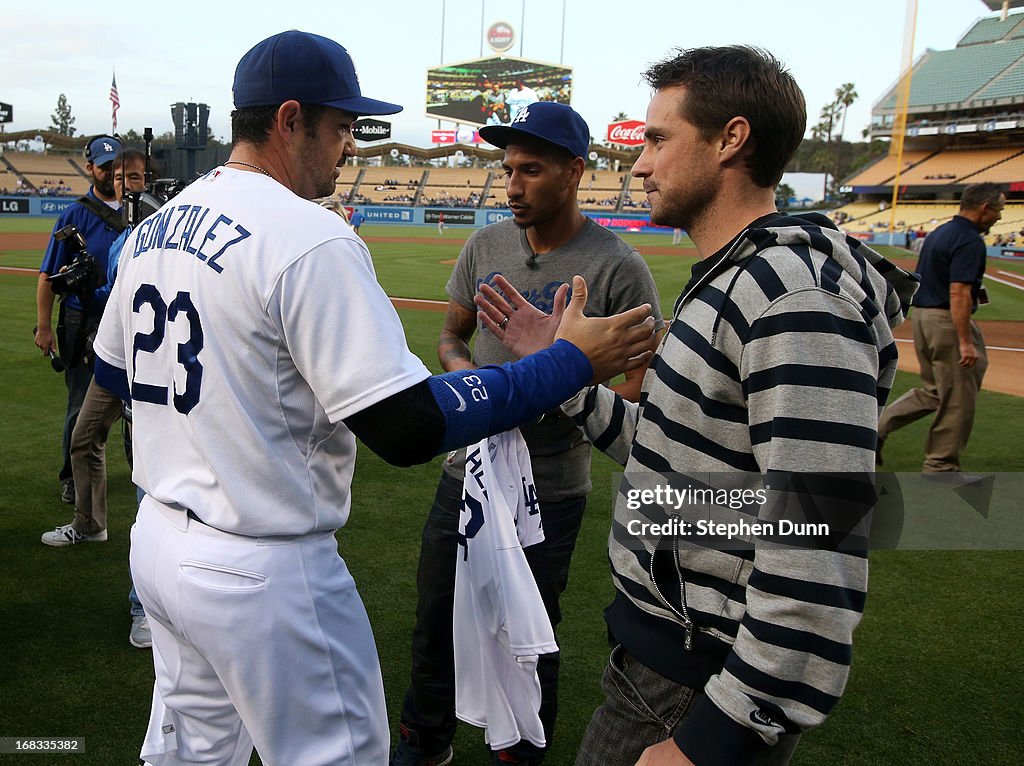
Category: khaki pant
<point>947,389</point>
<point>100,410</point>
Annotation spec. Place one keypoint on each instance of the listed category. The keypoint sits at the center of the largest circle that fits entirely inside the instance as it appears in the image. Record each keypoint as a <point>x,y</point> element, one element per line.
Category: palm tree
<point>845,96</point>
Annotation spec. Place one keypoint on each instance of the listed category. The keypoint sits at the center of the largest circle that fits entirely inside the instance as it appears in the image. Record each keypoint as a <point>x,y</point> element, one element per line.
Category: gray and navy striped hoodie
<point>779,358</point>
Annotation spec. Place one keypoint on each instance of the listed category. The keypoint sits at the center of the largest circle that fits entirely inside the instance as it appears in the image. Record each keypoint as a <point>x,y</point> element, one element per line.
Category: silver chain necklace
<point>249,165</point>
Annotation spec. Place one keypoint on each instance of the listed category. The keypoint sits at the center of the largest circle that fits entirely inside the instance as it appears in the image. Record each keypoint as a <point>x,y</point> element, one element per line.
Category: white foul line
<point>1003,281</point>
<point>990,348</point>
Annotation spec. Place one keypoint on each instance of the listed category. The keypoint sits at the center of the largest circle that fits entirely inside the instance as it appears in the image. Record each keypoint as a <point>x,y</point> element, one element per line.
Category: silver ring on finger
<point>504,323</point>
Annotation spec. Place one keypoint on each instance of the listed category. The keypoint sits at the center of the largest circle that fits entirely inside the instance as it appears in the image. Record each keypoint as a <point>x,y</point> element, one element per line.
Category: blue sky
<point>187,50</point>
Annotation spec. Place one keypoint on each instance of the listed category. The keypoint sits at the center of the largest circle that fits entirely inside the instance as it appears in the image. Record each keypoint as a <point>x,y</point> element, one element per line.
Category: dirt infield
<point>1005,340</point>
<point>24,241</point>
<point>39,240</point>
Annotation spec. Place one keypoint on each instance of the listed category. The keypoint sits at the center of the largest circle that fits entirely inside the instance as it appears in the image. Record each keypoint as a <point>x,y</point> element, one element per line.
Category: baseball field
<point>936,674</point>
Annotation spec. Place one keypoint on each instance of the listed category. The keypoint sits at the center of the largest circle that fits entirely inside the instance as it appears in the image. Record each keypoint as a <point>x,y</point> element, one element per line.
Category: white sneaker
<point>67,535</point>
<point>140,635</point>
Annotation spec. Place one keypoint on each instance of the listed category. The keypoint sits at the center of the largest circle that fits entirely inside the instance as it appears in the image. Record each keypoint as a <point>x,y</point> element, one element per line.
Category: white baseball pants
<point>256,641</point>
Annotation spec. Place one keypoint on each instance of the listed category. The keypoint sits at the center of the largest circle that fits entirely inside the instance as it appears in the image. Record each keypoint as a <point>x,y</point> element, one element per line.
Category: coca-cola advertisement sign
<point>500,36</point>
<point>442,136</point>
<point>626,132</point>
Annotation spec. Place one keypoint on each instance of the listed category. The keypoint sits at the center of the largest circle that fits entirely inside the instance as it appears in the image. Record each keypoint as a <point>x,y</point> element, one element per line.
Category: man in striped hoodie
<point>777,362</point>
<point>778,359</point>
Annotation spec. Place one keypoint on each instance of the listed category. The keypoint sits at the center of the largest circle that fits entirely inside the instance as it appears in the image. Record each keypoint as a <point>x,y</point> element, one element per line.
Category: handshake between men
<point>615,344</point>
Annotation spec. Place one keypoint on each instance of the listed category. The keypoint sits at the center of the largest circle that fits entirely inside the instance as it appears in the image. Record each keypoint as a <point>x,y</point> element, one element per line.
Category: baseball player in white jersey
<point>254,343</point>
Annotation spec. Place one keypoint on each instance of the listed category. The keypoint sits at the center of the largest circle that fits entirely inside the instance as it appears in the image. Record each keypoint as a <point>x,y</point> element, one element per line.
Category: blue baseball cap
<point>558,124</point>
<point>102,149</point>
<point>307,68</point>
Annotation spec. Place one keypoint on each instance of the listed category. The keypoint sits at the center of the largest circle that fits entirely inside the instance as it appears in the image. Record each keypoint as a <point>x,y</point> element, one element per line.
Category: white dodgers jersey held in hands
<point>500,625</point>
<point>250,323</point>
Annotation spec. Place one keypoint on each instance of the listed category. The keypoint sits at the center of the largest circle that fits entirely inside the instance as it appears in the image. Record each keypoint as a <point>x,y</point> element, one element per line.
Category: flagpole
<point>115,102</point>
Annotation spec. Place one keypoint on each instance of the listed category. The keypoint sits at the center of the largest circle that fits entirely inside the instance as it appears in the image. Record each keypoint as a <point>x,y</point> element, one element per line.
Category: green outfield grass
<point>936,675</point>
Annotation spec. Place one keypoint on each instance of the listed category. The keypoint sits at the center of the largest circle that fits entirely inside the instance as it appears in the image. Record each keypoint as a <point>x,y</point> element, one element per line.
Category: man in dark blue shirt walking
<point>949,345</point>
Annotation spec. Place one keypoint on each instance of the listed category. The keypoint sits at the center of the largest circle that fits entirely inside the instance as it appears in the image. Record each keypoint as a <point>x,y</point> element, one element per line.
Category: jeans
<point>133,597</point>
<point>428,712</point>
<point>642,708</point>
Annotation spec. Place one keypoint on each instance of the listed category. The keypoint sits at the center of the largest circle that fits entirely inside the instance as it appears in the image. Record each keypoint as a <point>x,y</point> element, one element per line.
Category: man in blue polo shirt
<point>97,217</point>
<point>949,345</point>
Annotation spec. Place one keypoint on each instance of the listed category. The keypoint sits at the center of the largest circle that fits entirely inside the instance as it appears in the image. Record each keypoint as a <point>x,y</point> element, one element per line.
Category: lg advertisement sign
<point>626,133</point>
<point>493,91</point>
<point>10,206</point>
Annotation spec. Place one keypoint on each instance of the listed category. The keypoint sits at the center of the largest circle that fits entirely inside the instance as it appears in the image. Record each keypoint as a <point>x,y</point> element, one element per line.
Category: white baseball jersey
<point>500,625</point>
<point>250,323</point>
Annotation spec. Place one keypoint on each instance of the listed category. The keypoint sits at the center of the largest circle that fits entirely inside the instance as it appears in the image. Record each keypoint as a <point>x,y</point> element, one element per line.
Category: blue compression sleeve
<point>114,379</point>
<point>491,399</point>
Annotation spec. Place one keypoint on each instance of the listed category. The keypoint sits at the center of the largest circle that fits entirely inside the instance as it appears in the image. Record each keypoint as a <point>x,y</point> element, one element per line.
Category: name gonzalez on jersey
<point>187,233</point>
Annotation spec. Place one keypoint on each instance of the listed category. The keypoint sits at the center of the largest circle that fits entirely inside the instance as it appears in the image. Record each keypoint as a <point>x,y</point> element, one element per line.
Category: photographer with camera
<point>96,219</point>
<point>101,409</point>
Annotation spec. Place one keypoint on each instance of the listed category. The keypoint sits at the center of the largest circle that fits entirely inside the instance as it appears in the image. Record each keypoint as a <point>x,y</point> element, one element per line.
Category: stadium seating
<point>45,170</point>
<point>885,169</point>
<point>864,216</point>
<point>854,212</point>
<point>991,29</point>
<point>952,165</point>
<point>909,215</point>
<point>1009,84</point>
<point>447,196</point>
<point>954,76</point>
<point>463,178</point>
<point>1012,222</point>
<point>8,181</point>
<point>1008,171</point>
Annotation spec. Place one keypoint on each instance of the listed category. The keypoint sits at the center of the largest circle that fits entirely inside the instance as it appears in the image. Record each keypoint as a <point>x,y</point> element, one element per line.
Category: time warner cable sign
<point>6,112</point>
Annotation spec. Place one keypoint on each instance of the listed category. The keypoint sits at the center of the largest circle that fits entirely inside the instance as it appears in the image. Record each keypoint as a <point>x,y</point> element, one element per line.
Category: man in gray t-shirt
<point>545,243</point>
<point>617,279</point>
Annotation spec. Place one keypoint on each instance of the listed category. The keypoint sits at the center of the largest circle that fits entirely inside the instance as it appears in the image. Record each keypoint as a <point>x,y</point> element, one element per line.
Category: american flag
<point>115,102</point>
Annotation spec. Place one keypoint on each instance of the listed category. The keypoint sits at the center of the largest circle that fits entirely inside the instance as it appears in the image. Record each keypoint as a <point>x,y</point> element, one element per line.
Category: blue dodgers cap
<point>305,67</point>
<point>558,124</point>
<point>102,149</point>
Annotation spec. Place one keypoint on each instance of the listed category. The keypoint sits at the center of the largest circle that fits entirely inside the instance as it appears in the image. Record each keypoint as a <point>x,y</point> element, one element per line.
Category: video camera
<point>83,274</point>
<point>135,206</point>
